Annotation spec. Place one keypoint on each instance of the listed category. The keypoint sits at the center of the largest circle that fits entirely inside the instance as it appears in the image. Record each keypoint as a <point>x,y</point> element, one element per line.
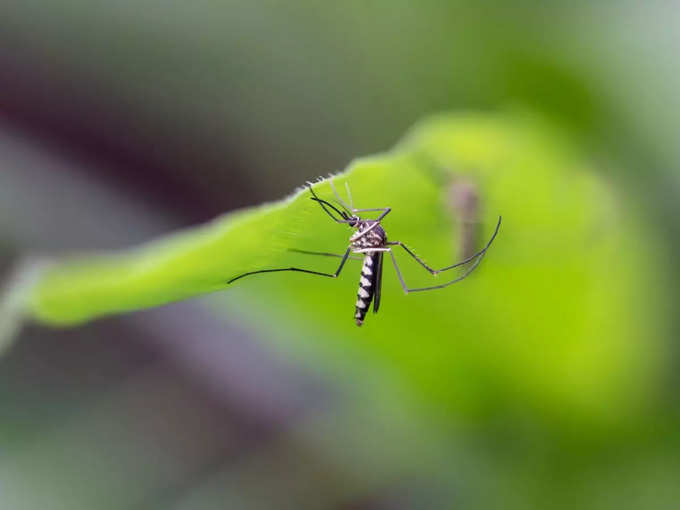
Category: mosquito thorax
<point>369,234</point>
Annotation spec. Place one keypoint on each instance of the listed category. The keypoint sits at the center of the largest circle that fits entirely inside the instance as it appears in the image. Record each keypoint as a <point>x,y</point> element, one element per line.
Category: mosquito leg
<point>297,269</point>
<point>416,257</point>
<point>323,253</point>
<point>396,269</point>
<point>386,211</point>
<point>477,255</point>
<point>433,287</point>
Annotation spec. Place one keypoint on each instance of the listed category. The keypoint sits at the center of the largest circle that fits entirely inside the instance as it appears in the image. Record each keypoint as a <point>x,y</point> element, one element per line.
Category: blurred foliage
<point>282,88</point>
<point>587,332</point>
<point>551,371</point>
<point>553,329</point>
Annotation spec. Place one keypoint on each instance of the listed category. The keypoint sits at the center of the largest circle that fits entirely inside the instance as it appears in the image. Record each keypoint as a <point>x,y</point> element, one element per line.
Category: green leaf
<point>553,314</point>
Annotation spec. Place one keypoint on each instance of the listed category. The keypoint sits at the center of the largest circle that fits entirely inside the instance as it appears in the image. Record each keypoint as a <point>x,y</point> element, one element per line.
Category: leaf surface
<point>555,294</point>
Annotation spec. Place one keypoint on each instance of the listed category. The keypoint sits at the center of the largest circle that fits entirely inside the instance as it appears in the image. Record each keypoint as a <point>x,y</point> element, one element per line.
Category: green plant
<point>559,334</point>
<point>554,296</point>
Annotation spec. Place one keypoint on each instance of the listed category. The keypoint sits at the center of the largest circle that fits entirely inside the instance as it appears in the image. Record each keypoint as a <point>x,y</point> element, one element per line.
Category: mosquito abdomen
<point>366,286</point>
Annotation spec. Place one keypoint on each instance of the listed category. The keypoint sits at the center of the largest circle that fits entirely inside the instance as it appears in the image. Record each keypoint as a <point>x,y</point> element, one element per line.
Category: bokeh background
<point>122,121</point>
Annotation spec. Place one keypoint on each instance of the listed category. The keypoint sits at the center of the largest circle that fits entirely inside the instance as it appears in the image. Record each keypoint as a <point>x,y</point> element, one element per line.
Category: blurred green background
<point>126,120</point>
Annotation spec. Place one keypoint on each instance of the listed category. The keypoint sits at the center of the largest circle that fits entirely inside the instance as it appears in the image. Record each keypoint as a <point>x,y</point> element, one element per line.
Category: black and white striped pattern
<point>366,286</point>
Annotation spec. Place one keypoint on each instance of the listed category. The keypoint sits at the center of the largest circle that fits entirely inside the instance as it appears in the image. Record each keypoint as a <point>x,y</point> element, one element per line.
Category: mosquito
<point>370,240</point>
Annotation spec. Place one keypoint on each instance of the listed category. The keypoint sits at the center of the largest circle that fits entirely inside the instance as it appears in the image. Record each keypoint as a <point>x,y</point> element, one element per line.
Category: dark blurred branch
<point>186,169</point>
<point>464,201</point>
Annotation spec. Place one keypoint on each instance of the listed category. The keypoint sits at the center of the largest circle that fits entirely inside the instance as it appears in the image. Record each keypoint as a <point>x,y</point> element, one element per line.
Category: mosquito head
<point>346,215</point>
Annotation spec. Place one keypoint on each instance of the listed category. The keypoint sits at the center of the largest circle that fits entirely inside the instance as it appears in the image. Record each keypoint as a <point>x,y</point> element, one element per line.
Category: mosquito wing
<point>378,281</point>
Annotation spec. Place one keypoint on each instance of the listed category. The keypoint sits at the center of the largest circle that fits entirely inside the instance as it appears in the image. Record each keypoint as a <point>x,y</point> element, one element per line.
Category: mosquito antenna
<point>321,201</point>
<point>325,203</point>
<point>349,194</point>
<point>340,200</point>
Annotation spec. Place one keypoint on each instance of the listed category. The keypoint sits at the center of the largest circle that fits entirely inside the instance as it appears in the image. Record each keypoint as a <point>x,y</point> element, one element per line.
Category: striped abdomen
<point>369,273</point>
